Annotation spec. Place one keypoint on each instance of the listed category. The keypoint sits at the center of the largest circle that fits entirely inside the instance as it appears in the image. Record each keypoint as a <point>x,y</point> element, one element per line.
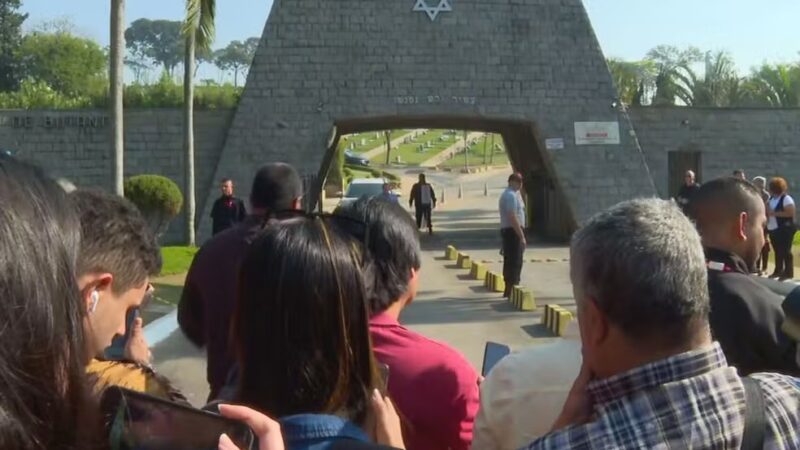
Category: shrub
<point>39,95</point>
<point>158,198</point>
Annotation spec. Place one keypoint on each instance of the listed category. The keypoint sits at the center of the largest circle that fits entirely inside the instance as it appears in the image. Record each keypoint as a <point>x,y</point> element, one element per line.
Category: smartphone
<point>136,421</point>
<point>384,377</point>
<point>116,351</point>
<point>493,353</point>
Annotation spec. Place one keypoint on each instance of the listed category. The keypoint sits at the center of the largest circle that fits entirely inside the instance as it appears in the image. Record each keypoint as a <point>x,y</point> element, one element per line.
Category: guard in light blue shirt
<point>512,230</point>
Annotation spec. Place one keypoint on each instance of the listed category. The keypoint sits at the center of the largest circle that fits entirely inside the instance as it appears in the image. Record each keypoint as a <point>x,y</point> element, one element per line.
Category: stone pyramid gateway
<point>529,69</point>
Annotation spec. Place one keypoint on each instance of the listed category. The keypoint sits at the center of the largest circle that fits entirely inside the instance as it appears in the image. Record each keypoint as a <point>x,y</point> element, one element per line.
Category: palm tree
<point>779,85</point>
<point>635,81</point>
<point>116,69</point>
<point>671,64</point>
<point>199,32</point>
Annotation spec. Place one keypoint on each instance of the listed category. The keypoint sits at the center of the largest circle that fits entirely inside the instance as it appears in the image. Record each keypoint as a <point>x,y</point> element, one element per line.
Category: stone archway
<point>552,215</point>
<point>536,61</point>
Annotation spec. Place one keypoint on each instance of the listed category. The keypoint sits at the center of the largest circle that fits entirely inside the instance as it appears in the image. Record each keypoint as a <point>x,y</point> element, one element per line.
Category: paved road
<point>449,306</point>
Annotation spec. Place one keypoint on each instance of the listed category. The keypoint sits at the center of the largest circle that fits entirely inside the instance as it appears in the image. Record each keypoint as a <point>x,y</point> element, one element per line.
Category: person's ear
<point>741,226</point>
<point>297,203</point>
<point>597,325</point>
<point>94,287</point>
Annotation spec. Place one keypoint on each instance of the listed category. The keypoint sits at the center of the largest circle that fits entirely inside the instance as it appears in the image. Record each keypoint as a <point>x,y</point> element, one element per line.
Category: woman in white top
<point>781,227</point>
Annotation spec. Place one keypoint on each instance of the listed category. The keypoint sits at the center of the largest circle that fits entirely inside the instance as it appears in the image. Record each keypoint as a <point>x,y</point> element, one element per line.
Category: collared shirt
<point>511,203</point>
<point>433,386</point>
<point>524,393</point>
<point>322,432</point>
<point>741,301</point>
<point>691,400</point>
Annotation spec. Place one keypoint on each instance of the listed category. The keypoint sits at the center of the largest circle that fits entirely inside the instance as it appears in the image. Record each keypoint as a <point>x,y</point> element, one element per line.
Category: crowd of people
<point>677,344</point>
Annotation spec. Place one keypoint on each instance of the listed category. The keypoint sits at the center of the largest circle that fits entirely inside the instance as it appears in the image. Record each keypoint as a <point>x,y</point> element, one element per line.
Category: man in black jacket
<point>423,198</point>
<point>227,210</point>
<point>746,316</point>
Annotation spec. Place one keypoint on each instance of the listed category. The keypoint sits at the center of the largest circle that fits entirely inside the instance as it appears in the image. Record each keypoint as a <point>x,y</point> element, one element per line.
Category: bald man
<point>746,317</point>
<point>688,190</point>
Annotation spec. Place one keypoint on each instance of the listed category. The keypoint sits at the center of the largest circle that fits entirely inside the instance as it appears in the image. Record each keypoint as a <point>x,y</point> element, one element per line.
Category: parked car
<point>362,187</point>
<point>354,159</point>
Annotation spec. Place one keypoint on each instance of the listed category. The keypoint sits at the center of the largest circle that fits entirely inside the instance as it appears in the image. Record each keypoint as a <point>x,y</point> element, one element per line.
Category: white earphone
<point>95,300</point>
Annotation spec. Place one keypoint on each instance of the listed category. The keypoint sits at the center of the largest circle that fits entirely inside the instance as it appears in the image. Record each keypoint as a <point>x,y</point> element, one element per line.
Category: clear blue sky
<point>753,31</point>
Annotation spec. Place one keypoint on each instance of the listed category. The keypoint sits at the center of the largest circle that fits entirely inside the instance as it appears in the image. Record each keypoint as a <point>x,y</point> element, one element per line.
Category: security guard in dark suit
<point>746,316</point>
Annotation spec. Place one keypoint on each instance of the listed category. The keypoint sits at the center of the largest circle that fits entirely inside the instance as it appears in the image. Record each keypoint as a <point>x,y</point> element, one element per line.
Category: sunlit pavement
<point>449,307</point>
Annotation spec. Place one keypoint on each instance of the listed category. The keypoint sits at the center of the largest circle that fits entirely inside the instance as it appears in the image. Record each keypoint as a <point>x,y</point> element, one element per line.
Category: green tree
<point>635,81</point>
<point>670,64</point>
<point>198,30</point>
<point>777,85</point>
<point>236,56</point>
<point>713,86</point>
<point>160,41</point>
<point>68,63</point>
<point>10,39</point>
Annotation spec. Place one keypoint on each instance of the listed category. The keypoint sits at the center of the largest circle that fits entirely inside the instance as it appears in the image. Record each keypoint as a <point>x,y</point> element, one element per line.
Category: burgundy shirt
<point>433,386</point>
<point>209,298</point>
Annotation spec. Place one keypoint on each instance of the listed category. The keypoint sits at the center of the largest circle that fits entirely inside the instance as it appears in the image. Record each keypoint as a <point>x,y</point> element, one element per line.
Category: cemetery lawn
<point>409,153</point>
<point>176,260</point>
<point>475,154</point>
<point>370,140</point>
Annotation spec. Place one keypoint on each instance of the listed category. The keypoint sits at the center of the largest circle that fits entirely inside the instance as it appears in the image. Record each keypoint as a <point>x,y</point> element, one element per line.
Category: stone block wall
<point>762,142</point>
<point>77,145</point>
<point>538,61</point>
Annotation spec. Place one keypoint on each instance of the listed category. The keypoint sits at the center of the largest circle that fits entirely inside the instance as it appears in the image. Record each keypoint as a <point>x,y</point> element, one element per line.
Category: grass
<point>409,153</point>
<point>176,260</point>
<point>370,140</point>
<point>475,154</point>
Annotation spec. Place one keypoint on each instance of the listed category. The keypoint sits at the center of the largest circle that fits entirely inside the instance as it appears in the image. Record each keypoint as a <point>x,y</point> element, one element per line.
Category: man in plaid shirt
<point>652,376</point>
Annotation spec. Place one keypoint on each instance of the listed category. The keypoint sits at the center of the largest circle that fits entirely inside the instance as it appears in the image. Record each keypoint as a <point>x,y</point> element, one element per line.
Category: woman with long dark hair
<point>44,402</point>
<point>781,227</point>
<point>302,333</point>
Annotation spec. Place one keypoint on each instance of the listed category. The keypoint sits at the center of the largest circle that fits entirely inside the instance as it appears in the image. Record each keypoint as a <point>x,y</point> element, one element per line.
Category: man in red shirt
<point>433,386</point>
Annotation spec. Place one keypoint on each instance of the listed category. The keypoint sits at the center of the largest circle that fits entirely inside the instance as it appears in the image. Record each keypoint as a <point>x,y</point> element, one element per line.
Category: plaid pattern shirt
<point>689,401</point>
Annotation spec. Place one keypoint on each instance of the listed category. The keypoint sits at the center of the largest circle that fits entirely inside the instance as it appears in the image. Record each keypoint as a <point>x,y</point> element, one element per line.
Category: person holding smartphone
<point>435,388</point>
<point>118,255</point>
<point>302,334</point>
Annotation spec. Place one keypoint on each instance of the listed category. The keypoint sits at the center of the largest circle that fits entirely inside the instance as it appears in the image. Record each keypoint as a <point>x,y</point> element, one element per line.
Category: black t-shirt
<point>227,212</point>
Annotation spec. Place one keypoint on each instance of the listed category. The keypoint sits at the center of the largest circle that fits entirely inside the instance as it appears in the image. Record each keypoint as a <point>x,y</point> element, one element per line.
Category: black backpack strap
<point>755,420</point>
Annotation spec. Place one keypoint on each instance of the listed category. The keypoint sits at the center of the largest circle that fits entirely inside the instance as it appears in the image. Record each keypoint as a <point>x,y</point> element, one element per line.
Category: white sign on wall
<point>554,144</point>
<point>597,133</point>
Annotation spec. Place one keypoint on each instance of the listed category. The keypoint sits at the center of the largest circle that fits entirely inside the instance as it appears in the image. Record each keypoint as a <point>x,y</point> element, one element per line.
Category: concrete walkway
<point>369,154</point>
<point>449,307</point>
<point>450,151</point>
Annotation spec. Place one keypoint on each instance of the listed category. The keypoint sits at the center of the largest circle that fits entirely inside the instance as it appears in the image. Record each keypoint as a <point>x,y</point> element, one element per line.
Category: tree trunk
<point>188,137</point>
<point>491,155</point>
<point>236,77</point>
<point>466,152</point>
<point>485,141</point>
<point>116,73</point>
<point>388,136</point>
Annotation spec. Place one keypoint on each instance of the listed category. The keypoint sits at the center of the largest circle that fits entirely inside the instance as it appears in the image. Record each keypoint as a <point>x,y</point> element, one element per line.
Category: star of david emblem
<point>433,11</point>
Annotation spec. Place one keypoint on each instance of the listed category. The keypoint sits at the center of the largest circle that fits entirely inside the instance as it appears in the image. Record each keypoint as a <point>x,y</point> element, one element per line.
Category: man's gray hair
<point>643,264</point>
